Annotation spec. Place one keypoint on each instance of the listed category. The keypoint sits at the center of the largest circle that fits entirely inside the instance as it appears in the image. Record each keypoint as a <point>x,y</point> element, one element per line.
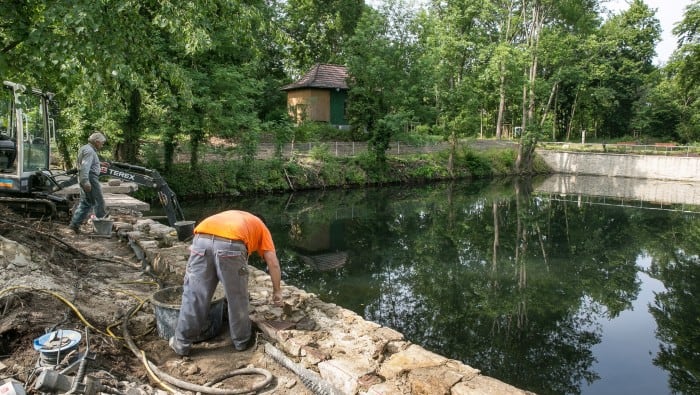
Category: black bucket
<point>185,229</point>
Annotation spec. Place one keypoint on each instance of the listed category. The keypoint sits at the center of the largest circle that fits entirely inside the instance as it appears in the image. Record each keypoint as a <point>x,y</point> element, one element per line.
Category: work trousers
<point>213,260</point>
<point>92,200</point>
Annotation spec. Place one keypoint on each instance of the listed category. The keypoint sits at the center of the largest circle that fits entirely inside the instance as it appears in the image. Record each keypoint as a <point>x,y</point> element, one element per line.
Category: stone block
<point>383,389</point>
<point>432,381</point>
<point>343,374</point>
<point>388,334</point>
<point>484,385</point>
<point>414,357</point>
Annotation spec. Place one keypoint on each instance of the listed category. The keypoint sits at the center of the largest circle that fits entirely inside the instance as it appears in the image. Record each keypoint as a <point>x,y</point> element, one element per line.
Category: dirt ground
<point>90,284</point>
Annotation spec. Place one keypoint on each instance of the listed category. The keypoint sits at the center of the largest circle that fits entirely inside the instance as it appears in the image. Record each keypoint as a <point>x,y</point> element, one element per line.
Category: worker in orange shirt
<point>219,252</point>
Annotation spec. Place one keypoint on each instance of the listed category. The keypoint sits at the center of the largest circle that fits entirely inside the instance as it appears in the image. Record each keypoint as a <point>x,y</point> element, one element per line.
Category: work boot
<point>178,350</point>
<point>248,343</point>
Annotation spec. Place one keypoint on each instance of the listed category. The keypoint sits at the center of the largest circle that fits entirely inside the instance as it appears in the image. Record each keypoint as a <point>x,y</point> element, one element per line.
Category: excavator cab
<point>26,133</point>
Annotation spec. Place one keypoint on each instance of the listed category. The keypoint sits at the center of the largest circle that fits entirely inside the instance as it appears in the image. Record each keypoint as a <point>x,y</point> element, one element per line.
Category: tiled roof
<point>329,76</point>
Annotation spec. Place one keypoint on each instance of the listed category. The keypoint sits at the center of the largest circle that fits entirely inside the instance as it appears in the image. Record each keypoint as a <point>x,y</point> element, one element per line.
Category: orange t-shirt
<point>239,225</point>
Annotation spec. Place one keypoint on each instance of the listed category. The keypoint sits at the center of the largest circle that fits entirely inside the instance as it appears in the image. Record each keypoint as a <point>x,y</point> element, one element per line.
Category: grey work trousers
<point>213,259</point>
<point>92,200</point>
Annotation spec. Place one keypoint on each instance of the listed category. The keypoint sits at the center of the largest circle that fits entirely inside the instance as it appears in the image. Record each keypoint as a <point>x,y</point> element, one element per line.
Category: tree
<point>622,63</point>
<point>684,74</point>
<point>385,83</point>
<point>319,31</point>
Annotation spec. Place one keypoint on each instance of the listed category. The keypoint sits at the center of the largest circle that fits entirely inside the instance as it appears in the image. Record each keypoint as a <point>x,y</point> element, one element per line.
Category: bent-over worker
<point>219,253</point>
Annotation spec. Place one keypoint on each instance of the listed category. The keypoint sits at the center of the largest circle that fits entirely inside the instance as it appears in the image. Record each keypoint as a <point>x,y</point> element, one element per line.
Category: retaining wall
<point>353,355</point>
<point>686,168</point>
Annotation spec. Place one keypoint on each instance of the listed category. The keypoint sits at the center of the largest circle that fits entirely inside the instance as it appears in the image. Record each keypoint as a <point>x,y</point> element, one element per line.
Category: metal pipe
<point>311,380</point>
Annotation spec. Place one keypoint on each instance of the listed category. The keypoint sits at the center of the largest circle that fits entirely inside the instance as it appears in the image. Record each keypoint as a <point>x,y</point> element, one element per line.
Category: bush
<point>320,131</point>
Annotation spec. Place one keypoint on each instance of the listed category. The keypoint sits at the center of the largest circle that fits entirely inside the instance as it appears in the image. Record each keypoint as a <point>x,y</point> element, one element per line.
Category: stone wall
<point>352,355</point>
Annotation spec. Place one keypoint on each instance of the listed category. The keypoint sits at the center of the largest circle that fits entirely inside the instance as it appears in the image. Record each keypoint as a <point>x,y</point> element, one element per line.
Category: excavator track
<point>32,206</point>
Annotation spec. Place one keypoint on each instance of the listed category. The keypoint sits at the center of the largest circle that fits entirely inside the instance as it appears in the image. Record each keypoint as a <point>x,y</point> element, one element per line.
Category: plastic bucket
<point>185,229</point>
<point>167,302</point>
<point>102,226</point>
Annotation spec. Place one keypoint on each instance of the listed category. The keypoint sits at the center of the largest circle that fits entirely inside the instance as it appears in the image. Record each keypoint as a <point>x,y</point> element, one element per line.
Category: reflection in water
<point>510,282</point>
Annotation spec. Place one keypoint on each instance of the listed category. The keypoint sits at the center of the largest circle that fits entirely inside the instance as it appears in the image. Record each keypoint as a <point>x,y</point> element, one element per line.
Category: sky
<point>669,12</point>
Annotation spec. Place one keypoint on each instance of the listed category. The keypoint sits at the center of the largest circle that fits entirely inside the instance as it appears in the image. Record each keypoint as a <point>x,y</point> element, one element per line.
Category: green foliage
<point>477,164</point>
<point>234,177</point>
<point>183,71</point>
<point>320,152</point>
<point>320,131</point>
<point>152,157</point>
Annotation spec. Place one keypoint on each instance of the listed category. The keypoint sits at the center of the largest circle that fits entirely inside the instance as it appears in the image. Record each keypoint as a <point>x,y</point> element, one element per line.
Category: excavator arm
<point>147,178</point>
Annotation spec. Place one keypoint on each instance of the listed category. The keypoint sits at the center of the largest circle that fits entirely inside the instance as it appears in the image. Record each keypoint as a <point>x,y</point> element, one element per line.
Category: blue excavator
<point>27,181</point>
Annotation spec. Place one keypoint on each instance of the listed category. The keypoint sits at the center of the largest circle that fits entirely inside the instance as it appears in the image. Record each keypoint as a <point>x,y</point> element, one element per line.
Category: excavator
<point>27,182</point>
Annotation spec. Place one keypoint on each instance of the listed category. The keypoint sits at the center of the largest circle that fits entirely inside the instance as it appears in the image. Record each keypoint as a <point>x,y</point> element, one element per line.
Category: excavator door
<point>26,132</point>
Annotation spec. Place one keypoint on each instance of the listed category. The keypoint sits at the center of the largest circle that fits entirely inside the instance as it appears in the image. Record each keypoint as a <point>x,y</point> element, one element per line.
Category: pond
<point>548,291</point>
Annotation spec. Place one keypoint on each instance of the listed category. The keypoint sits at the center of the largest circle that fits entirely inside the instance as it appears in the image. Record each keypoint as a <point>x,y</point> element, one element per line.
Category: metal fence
<point>626,148</point>
<point>334,148</point>
<point>346,149</point>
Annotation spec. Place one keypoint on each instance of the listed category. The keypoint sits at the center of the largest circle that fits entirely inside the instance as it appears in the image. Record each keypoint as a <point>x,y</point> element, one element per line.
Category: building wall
<point>315,102</point>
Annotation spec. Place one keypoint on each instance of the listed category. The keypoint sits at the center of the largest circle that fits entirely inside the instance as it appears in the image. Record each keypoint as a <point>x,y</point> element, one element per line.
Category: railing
<point>625,148</point>
<point>335,148</point>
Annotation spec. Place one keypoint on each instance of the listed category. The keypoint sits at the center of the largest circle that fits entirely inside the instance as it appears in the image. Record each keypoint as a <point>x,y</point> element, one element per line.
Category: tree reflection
<point>677,315</point>
<point>503,280</point>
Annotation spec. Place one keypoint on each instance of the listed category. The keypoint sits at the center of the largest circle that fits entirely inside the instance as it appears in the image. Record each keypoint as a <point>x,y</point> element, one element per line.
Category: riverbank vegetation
<point>183,73</point>
<point>321,170</point>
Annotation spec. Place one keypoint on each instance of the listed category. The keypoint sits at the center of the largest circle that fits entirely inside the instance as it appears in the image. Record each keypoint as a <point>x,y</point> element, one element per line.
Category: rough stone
<point>413,357</point>
<point>343,374</point>
<point>13,253</point>
<point>433,381</point>
<point>484,385</point>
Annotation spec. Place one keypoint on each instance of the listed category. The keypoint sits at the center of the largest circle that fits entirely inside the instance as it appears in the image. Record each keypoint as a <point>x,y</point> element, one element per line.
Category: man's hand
<point>277,298</point>
<point>87,187</point>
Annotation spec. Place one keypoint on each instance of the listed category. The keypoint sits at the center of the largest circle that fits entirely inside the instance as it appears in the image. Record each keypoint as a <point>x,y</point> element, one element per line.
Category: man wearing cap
<point>88,178</point>
<point>219,253</point>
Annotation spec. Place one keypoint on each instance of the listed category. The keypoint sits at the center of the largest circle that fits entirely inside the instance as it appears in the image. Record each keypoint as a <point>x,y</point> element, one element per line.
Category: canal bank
<point>350,354</point>
<point>308,346</point>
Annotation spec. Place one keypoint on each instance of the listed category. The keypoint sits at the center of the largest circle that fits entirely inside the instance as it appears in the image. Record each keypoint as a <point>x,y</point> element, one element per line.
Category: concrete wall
<point>622,165</point>
<point>660,192</point>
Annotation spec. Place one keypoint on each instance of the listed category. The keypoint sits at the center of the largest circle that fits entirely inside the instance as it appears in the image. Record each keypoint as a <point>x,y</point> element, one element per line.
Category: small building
<point>320,95</point>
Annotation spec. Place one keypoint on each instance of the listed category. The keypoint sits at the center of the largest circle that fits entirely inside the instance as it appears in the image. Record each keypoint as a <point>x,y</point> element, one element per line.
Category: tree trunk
<point>127,150</point>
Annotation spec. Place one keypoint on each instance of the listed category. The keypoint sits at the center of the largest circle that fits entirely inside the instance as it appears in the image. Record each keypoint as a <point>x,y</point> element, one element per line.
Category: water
<point>552,293</point>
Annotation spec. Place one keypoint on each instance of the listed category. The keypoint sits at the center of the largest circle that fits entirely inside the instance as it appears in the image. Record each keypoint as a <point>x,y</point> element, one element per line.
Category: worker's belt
<point>217,238</point>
